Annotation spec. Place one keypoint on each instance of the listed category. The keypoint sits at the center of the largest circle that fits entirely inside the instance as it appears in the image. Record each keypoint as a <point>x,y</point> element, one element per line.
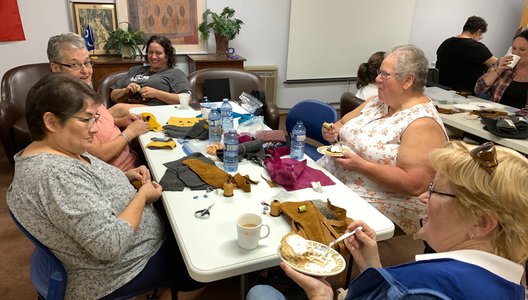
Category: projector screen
<point>328,40</point>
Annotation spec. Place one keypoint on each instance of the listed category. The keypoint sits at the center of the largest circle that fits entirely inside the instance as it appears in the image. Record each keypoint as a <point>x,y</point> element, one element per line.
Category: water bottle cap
<point>225,99</point>
<point>299,121</point>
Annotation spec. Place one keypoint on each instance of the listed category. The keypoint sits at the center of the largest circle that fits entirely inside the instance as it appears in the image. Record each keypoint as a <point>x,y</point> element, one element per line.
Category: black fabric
<point>491,126</point>
<point>178,176</point>
<point>251,150</point>
<point>198,131</point>
<point>217,89</point>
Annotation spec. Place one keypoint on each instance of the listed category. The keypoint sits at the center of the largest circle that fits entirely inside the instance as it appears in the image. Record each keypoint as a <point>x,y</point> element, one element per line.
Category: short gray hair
<point>411,60</point>
<point>66,40</point>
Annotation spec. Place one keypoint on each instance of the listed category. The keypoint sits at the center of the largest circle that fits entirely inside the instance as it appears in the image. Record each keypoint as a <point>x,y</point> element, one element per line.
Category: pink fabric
<point>107,131</point>
<point>292,174</point>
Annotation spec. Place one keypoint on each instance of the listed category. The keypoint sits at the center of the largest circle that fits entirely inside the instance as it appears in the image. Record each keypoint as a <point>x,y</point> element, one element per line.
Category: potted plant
<point>125,42</point>
<point>225,27</point>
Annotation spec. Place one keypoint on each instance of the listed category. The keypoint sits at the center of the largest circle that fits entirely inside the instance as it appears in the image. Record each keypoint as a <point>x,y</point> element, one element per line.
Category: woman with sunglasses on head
<point>476,219</point>
<point>107,234</point>
<point>390,136</point>
<point>158,83</point>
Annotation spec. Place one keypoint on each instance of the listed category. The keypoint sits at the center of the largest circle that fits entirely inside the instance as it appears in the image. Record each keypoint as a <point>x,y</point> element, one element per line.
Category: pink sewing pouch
<point>292,174</point>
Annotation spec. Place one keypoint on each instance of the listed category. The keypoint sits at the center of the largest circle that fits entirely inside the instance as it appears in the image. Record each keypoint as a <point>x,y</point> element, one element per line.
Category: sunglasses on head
<point>486,156</point>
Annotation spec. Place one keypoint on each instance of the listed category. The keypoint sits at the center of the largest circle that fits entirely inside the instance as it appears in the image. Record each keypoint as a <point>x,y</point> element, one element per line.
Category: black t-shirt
<point>460,62</point>
<point>515,94</point>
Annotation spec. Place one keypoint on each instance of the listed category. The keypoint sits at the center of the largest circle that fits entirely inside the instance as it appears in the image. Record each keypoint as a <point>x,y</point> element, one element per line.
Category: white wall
<point>263,39</point>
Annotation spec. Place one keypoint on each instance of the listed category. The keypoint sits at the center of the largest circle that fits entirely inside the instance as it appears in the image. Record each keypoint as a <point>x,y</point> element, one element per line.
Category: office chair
<point>47,273</point>
<point>313,113</point>
<point>348,102</point>
<point>104,85</point>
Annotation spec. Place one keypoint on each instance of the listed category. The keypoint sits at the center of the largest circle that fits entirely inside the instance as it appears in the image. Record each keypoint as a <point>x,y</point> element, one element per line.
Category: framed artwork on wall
<point>102,18</point>
<point>176,19</point>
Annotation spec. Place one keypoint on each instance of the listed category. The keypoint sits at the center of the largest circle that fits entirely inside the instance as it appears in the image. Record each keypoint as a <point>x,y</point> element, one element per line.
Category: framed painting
<point>101,17</point>
<point>176,19</point>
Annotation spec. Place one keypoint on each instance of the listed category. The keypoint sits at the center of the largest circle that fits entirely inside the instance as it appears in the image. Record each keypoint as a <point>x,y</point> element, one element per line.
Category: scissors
<point>203,213</point>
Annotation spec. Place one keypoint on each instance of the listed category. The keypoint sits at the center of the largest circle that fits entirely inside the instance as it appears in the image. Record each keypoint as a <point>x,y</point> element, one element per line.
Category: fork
<point>339,239</point>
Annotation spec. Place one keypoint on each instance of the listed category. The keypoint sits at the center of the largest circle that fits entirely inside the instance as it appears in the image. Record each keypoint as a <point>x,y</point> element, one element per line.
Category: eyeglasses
<point>77,65</point>
<point>89,121</point>
<point>384,74</point>
<point>432,191</point>
<point>486,156</point>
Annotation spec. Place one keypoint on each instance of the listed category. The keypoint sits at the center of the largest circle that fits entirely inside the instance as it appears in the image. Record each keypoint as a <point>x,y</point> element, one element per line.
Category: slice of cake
<point>297,250</point>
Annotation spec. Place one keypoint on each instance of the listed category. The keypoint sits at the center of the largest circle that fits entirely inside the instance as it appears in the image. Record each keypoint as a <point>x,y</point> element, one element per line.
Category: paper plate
<point>485,105</point>
<point>335,265</point>
<point>466,107</point>
<point>325,150</point>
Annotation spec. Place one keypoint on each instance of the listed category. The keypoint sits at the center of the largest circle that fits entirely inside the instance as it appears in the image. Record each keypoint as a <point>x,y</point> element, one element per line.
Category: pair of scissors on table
<point>203,213</point>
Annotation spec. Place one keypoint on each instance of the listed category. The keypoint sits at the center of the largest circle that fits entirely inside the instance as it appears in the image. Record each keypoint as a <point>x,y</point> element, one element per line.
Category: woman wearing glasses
<point>107,234</point>
<point>158,83</point>
<point>390,137</point>
<point>67,53</point>
<point>476,219</point>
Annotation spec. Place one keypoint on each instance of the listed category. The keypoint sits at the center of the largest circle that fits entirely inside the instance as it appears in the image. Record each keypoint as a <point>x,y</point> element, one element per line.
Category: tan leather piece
<point>313,225</point>
<point>211,174</point>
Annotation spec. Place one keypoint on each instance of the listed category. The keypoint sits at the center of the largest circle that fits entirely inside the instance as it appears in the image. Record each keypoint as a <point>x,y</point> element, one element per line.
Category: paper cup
<point>515,60</point>
<point>184,100</point>
<point>249,230</point>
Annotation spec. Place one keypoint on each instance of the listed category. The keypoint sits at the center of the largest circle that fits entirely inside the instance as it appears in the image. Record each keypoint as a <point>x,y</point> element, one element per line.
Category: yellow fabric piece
<point>183,122</point>
<point>162,145</point>
<point>153,124</point>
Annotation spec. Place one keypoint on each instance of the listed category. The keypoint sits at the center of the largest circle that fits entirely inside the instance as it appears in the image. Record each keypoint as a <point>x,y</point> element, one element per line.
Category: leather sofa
<point>14,133</point>
<point>348,102</point>
<point>240,81</point>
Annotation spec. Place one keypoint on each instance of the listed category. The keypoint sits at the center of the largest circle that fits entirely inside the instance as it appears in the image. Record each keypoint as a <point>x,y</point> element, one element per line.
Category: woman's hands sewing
<point>150,189</point>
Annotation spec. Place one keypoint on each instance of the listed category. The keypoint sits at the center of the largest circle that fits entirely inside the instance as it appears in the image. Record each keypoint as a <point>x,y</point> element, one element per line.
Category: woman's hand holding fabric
<point>363,246</point>
<point>315,288</point>
<point>150,93</point>
<point>152,191</point>
<point>140,173</point>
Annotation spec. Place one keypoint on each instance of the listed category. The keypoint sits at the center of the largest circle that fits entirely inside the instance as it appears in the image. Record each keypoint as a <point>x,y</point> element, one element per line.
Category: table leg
<point>243,286</point>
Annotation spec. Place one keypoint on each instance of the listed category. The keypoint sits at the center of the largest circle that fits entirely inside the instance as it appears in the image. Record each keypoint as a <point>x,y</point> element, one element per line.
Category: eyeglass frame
<point>89,121</point>
<point>486,156</point>
<point>431,191</point>
<point>386,75</point>
<point>77,66</point>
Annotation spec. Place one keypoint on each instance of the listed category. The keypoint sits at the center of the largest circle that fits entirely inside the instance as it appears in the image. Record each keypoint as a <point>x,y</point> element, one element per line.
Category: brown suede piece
<point>313,225</point>
<point>242,183</point>
<point>212,175</point>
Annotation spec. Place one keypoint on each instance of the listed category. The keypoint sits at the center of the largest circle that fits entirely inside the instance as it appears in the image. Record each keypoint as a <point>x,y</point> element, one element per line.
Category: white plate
<point>466,107</point>
<point>336,263</point>
<point>484,105</point>
<point>325,150</point>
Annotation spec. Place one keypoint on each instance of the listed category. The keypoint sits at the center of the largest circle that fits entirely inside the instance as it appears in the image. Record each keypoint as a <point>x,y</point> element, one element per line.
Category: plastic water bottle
<point>230,151</point>
<point>298,136</point>
<point>226,111</point>
<point>215,125</point>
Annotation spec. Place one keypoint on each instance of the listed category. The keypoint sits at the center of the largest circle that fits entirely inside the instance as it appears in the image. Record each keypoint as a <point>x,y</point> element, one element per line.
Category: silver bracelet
<point>125,136</point>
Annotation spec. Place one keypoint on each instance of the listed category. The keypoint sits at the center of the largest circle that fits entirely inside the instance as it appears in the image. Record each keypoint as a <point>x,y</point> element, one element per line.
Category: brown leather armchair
<point>240,81</point>
<point>348,103</point>
<point>104,86</point>
<point>16,83</point>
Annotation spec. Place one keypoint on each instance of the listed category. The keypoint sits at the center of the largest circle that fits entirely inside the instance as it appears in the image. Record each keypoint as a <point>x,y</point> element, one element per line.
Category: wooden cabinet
<point>109,64</point>
<point>204,61</point>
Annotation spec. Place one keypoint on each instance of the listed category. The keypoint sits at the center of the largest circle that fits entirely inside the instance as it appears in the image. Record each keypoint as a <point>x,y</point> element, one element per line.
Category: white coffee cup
<point>249,227</point>
<point>184,100</point>
<point>515,60</point>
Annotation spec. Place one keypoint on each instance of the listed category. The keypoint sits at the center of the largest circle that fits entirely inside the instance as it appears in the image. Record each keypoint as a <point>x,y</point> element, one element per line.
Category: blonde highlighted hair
<point>502,194</point>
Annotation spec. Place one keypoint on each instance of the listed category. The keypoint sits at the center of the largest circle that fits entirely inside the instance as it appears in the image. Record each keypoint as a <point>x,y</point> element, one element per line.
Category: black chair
<point>348,102</point>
